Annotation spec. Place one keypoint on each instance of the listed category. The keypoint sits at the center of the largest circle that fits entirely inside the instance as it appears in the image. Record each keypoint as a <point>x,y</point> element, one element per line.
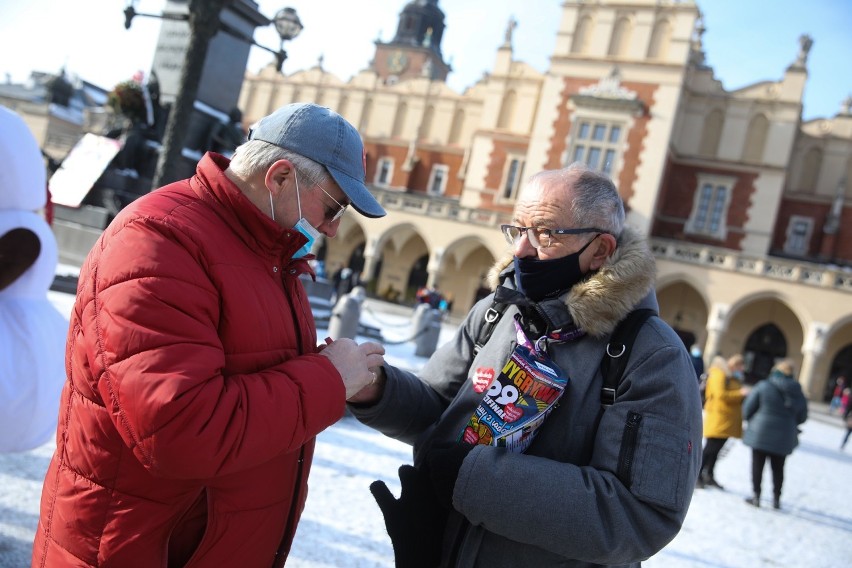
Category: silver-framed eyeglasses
<point>539,236</point>
<point>341,209</point>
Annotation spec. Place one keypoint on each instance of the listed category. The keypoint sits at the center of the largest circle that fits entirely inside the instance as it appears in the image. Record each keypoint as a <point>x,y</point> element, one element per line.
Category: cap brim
<point>361,198</point>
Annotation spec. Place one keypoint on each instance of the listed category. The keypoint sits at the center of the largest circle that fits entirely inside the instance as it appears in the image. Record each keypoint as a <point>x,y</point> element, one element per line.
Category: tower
<point>415,50</point>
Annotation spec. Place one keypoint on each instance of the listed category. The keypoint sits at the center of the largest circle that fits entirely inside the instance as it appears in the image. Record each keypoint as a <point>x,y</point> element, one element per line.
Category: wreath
<point>127,99</point>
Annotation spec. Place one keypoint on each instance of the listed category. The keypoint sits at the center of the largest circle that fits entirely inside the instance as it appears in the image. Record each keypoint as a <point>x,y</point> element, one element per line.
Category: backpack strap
<point>618,351</point>
<point>492,316</point>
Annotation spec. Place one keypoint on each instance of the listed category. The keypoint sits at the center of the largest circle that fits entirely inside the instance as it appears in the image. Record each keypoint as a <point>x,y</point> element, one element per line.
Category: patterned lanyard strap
<point>556,336</point>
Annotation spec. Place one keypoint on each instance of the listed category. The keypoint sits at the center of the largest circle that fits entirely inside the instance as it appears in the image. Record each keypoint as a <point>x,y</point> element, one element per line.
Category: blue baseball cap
<point>325,137</point>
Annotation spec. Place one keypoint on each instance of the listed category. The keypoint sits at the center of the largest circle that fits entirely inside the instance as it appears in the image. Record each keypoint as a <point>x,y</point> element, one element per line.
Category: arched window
<point>660,39</point>
<point>711,133</point>
<point>811,164</point>
<point>620,40</point>
<point>849,178</point>
<point>428,119</point>
<point>456,127</point>
<point>755,141</point>
<point>507,110</point>
<point>399,120</point>
<point>582,35</point>
<point>364,124</point>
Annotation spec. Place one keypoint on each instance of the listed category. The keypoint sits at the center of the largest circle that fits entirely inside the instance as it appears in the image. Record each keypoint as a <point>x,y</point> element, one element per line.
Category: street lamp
<point>288,25</point>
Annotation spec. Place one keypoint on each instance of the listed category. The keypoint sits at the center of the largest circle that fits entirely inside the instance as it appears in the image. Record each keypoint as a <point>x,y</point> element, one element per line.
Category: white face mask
<point>302,224</point>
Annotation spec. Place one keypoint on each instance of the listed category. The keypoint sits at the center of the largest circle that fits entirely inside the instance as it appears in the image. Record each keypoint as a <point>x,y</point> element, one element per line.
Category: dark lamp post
<point>288,25</point>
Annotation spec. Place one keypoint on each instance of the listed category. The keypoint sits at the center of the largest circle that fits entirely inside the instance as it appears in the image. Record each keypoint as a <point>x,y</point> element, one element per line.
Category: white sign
<point>81,169</point>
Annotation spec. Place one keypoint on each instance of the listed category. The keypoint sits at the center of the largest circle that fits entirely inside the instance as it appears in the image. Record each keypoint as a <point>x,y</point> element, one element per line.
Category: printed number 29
<point>503,395</point>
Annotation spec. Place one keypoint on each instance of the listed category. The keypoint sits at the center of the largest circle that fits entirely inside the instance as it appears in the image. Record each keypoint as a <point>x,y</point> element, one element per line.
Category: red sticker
<point>482,378</point>
<point>512,412</point>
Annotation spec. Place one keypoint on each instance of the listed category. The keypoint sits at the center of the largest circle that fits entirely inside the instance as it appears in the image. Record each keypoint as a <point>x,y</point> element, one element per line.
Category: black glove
<point>443,464</point>
<point>415,521</point>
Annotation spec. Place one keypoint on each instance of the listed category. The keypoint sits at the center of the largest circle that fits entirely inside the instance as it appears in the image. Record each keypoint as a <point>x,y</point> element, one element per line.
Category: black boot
<point>755,500</point>
<point>776,501</point>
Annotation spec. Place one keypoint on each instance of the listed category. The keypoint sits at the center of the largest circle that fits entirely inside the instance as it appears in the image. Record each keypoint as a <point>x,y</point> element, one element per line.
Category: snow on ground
<point>342,526</point>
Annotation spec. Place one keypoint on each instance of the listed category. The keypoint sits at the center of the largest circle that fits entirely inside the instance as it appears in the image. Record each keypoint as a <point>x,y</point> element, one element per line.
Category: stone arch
<point>685,307</point>
<point>752,321</point>
<point>396,251</point>
<point>755,142</point>
<point>463,265</point>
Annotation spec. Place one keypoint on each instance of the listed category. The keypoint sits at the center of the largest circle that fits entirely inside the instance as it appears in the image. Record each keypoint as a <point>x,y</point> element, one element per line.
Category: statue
<point>510,28</point>
<point>805,43</point>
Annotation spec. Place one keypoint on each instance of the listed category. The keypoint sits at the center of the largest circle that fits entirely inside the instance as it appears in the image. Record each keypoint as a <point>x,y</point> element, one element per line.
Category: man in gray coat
<point>599,485</point>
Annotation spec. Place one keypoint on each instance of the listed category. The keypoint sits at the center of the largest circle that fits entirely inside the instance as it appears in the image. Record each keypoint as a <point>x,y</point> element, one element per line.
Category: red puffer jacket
<point>194,391</point>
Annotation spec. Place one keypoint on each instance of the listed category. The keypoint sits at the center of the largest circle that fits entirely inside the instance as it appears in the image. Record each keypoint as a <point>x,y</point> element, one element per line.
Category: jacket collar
<point>602,300</point>
<point>252,226</point>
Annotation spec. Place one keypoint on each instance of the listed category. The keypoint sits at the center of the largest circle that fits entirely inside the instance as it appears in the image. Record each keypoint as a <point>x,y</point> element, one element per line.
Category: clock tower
<point>415,50</point>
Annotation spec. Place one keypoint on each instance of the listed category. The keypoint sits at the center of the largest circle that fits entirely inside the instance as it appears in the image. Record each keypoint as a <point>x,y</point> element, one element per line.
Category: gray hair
<point>595,201</point>
<point>255,156</point>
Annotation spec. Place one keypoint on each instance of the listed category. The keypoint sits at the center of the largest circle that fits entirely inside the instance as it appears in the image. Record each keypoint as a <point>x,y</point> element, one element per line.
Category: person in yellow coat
<point>723,413</point>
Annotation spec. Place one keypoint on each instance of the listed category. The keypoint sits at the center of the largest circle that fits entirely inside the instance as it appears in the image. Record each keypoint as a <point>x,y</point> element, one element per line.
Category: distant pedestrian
<point>697,361</point>
<point>774,409</point>
<point>837,395</point>
<point>847,420</point>
<point>723,415</point>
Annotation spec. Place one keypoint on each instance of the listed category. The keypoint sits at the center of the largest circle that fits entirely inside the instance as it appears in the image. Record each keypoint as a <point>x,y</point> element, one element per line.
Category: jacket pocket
<point>657,458</point>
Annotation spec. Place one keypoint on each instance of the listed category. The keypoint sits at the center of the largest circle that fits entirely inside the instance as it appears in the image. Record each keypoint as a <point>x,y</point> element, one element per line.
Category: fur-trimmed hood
<point>598,303</point>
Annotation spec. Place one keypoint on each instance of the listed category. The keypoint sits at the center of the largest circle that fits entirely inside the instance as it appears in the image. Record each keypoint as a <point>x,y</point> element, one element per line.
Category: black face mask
<point>540,279</point>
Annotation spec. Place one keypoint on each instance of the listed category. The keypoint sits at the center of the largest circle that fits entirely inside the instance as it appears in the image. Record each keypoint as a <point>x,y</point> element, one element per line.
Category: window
<point>438,179</point>
<point>384,171</point>
<point>710,208</point>
<point>597,144</point>
<point>798,235</point>
<point>512,179</point>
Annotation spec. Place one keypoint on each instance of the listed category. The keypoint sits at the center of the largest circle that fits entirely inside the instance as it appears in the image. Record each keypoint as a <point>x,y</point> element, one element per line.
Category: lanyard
<point>556,336</point>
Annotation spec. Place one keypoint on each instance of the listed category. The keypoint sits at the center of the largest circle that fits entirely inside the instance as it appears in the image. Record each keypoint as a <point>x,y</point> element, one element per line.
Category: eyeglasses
<point>341,209</point>
<point>539,236</point>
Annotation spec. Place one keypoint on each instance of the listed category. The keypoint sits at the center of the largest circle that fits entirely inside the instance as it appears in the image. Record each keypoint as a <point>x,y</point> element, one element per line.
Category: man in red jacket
<point>195,388</point>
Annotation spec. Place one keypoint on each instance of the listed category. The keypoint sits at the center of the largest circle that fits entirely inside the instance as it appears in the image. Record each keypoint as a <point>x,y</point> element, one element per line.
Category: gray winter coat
<point>774,409</point>
<point>584,493</point>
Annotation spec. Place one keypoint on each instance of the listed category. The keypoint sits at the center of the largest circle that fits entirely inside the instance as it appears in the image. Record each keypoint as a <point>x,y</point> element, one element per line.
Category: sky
<point>746,41</point>
<point>342,527</point>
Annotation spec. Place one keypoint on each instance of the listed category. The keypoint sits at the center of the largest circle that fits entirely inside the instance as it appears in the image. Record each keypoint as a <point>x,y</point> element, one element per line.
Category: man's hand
<point>354,362</point>
<point>415,521</point>
<point>442,465</point>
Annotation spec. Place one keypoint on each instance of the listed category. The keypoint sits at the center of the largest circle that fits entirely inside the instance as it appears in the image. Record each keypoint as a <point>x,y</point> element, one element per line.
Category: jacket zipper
<point>281,554</point>
<point>628,447</point>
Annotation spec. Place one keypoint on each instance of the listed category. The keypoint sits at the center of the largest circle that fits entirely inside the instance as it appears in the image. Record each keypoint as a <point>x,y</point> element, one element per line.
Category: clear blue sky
<point>747,41</point>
